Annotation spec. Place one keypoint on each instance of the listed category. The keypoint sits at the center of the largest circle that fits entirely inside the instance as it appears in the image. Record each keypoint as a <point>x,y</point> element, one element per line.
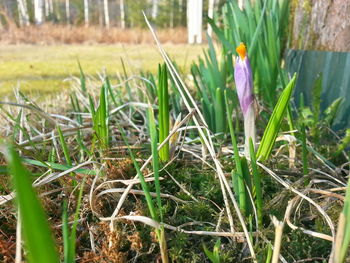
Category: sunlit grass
<point>44,68</point>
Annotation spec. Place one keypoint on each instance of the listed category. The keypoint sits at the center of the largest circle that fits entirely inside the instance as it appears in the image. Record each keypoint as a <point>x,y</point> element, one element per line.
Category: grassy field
<point>44,68</point>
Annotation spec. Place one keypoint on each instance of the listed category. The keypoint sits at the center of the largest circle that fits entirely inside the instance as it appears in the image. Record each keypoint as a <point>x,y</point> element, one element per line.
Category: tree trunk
<point>68,11</point>
<point>171,6</point>
<point>51,6</point>
<point>106,12</point>
<point>122,14</point>
<point>194,21</point>
<point>322,25</point>
<point>47,8</point>
<point>23,13</point>
<point>210,15</point>
<point>154,9</point>
<point>57,10</point>
<point>38,11</point>
<point>86,12</point>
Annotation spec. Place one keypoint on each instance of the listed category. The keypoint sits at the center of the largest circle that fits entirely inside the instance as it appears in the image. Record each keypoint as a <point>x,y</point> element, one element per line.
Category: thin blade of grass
<point>257,183</point>
<point>37,234</point>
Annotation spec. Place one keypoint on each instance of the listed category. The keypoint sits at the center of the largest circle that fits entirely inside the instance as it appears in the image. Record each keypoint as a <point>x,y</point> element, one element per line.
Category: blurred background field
<point>45,68</point>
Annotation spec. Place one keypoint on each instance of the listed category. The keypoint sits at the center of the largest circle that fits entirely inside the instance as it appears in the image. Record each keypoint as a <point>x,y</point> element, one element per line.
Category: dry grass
<point>63,34</point>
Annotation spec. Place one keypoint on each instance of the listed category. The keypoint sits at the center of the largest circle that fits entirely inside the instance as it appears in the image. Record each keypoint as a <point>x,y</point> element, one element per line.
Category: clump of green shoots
<point>100,117</point>
<point>211,77</point>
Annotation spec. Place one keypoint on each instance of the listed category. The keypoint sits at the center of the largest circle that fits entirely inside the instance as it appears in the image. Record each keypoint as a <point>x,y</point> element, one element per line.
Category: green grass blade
<point>155,159</point>
<point>256,183</point>
<point>245,184</point>
<point>163,98</point>
<point>273,126</point>
<point>100,119</point>
<point>37,234</point>
<point>57,166</point>
<point>304,150</point>
<point>82,79</point>
<point>64,146</point>
<point>220,120</point>
<point>342,241</point>
<point>144,184</point>
<point>65,233</point>
<point>237,179</point>
<point>72,237</point>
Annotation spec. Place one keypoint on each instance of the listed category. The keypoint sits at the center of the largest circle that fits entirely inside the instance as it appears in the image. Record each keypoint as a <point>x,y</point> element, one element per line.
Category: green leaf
<point>214,256</point>
<point>155,159</point>
<point>257,192</point>
<point>37,234</point>
<point>273,126</point>
<point>57,166</point>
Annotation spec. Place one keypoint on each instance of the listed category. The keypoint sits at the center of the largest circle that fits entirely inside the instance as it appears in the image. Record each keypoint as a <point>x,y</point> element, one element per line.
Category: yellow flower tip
<point>242,50</point>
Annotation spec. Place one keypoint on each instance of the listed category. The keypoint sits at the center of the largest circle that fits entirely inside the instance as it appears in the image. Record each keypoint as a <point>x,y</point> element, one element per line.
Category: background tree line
<point>120,13</point>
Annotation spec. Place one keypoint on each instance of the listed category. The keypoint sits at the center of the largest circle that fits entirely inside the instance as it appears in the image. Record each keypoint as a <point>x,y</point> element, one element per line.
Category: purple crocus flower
<point>244,86</point>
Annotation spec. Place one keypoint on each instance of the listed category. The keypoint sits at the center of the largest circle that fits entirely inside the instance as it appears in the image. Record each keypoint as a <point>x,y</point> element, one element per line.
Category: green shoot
<point>274,124</point>
<point>64,146</point>
<point>237,178</point>
<point>100,118</point>
<point>214,256</point>
<point>256,183</point>
<point>163,98</point>
<point>36,230</point>
<point>69,241</point>
<point>343,235</point>
<point>155,162</point>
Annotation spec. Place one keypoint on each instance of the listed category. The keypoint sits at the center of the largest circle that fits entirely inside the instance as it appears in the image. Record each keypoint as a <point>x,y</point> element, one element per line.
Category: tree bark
<point>38,11</point>
<point>106,13</point>
<point>47,8</point>
<point>51,6</point>
<point>154,9</point>
<point>322,25</point>
<point>68,11</point>
<point>23,13</point>
<point>122,14</point>
<point>171,20</point>
<point>86,12</point>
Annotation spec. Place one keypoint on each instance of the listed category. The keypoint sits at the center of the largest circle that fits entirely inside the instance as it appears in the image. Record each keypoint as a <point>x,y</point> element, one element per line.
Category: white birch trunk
<point>51,6</point>
<point>56,10</point>
<point>23,13</point>
<point>122,14</point>
<point>171,14</point>
<point>68,11</point>
<point>154,9</point>
<point>210,15</point>
<point>86,12</point>
<point>106,12</point>
<point>194,21</point>
<point>39,11</point>
<point>47,8</point>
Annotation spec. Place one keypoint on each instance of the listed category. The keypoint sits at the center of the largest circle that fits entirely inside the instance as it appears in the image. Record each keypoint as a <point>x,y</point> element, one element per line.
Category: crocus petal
<point>244,86</point>
<point>244,83</point>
